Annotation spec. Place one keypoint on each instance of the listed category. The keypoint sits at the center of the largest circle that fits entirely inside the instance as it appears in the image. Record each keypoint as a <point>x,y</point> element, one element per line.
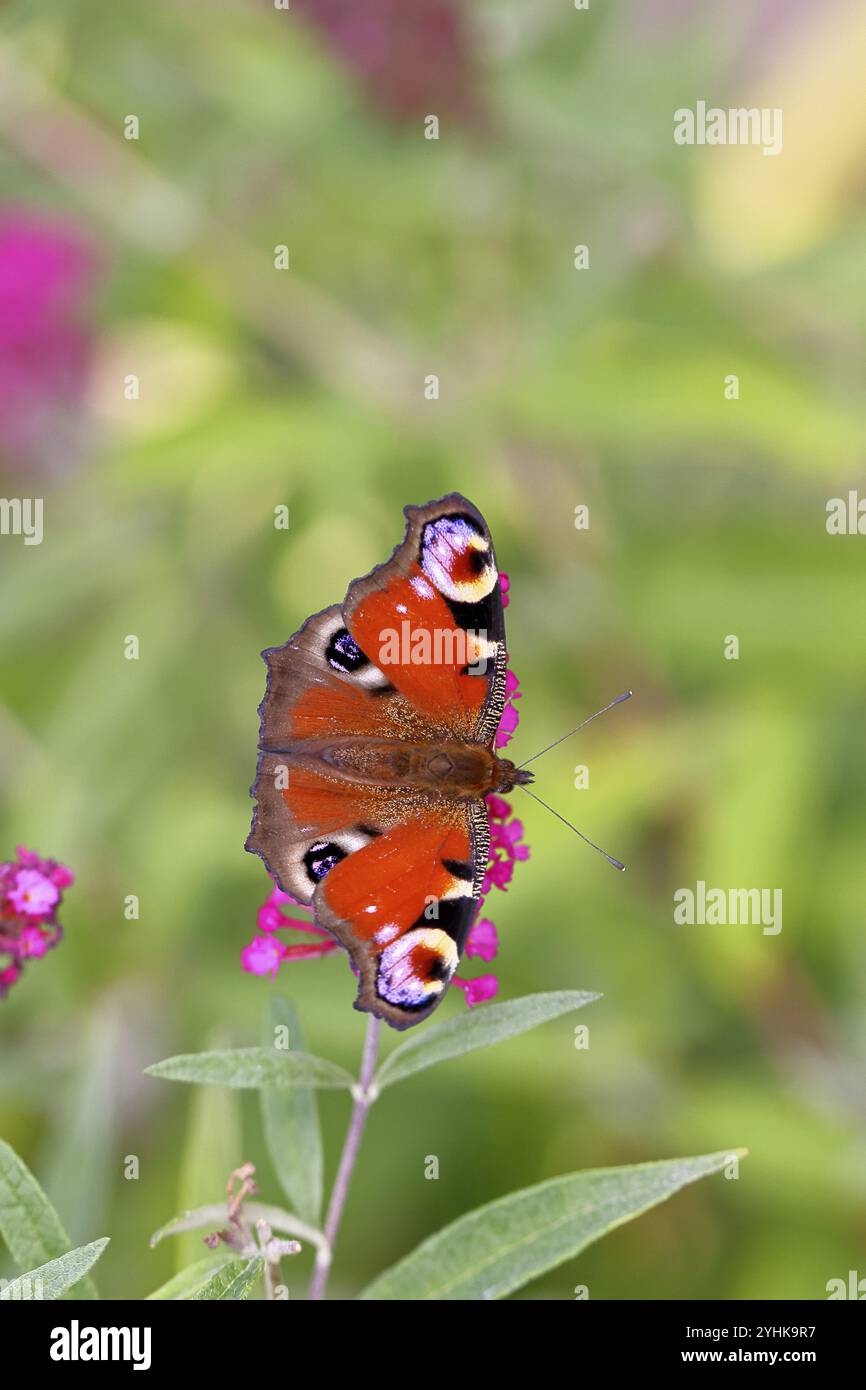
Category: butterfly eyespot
<point>478,561</point>
<point>416,967</point>
<point>456,558</point>
<point>320,858</point>
<point>343,652</point>
<point>439,969</point>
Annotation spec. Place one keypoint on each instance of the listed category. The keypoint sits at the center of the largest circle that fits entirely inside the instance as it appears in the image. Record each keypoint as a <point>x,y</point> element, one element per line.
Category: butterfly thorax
<point>454,768</point>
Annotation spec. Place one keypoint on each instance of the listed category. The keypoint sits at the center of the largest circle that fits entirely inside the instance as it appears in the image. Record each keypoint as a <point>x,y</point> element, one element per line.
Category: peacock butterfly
<point>376,752</point>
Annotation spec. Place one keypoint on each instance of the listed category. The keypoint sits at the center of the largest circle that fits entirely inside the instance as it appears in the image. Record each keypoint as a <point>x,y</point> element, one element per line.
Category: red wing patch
<point>408,619</point>
<point>403,907</point>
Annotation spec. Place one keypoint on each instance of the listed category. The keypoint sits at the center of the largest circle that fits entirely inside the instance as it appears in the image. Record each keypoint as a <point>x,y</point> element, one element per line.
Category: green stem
<point>364,1097</point>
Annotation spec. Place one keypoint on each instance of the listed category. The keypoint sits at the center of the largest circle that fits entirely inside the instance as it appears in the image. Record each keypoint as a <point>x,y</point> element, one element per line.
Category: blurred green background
<point>558,387</point>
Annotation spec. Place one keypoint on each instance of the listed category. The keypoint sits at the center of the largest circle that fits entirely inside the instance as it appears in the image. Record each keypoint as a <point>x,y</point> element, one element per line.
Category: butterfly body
<point>444,768</point>
<point>376,751</point>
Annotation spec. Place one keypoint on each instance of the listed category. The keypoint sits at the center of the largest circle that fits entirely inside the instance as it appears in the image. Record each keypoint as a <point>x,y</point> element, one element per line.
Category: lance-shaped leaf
<point>482,1026</point>
<point>188,1282</point>
<point>216,1218</point>
<point>50,1281</point>
<point>29,1224</point>
<point>211,1151</point>
<point>499,1247</point>
<point>291,1124</point>
<point>233,1281</point>
<point>79,1155</point>
<point>252,1068</point>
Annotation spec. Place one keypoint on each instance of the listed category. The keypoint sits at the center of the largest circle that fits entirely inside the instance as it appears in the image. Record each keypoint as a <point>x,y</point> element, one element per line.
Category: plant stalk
<point>364,1098</point>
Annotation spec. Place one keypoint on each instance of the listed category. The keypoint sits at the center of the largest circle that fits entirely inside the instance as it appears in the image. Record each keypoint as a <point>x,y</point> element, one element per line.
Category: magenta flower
<point>33,893</point>
<point>32,944</point>
<point>46,276</point>
<point>505,838</point>
<point>410,60</point>
<point>269,917</point>
<point>59,875</point>
<point>31,890</point>
<point>8,977</point>
<point>510,718</point>
<point>483,940</point>
<point>506,849</point>
<point>499,874</point>
<point>479,990</point>
<point>265,954</point>
<point>506,844</point>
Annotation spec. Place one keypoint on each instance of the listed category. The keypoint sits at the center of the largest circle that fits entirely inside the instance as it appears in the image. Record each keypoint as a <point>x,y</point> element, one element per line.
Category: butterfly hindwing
<point>305,823</point>
<point>403,907</point>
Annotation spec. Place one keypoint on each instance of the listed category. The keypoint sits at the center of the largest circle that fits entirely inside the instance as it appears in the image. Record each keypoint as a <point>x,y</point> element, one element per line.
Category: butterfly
<point>376,751</point>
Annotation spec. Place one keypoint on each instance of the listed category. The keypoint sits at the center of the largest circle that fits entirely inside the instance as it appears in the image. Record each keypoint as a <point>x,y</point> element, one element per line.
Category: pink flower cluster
<point>266,953</point>
<point>408,59</point>
<point>31,890</point>
<point>506,848</point>
<point>510,717</point>
<point>46,281</point>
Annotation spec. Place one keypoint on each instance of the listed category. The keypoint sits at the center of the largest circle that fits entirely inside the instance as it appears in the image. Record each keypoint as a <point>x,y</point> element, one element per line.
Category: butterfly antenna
<point>626,695</point>
<point>609,857</point>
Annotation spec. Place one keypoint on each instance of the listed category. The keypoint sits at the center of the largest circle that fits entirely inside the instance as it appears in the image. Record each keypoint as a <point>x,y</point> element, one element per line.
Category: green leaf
<point>29,1224</point>
<point>215,1218</point>
<point>188,1282</point>
<point>50,1281</point>
<point>291,1123</point>
<point>491,1023</point>
<point>501,1246</point>
<point>252,1067</point>
<point>212,1150</point>
<point>75,1167</point>
<point>233,1281</point>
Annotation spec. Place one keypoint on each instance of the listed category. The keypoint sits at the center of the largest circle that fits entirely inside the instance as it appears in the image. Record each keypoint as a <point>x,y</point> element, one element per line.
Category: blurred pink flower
<point>265,954</point>
<point>31,890</point>
<point>59,875</point>
<point>510,718</point>
<point>479,990</point>
<point>412,59</point>
<point>33,893</point>
<point>483,940</point>
<point>31,944</point>
<point>46,277</point>
<point>506,837</point>
<point>506,844</point>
